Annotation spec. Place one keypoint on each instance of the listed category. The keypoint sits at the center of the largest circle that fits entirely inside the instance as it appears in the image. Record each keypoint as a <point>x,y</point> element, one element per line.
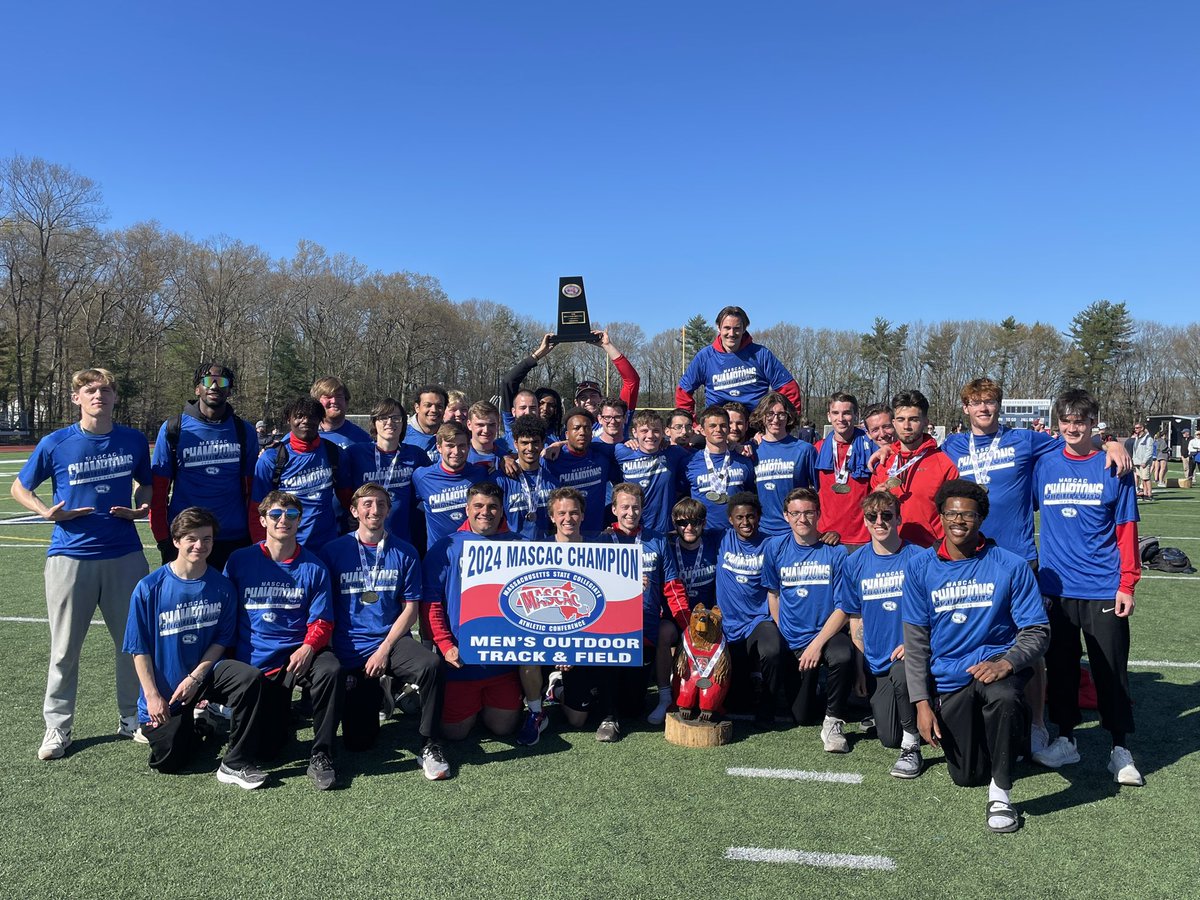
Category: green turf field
<point>573,818</point>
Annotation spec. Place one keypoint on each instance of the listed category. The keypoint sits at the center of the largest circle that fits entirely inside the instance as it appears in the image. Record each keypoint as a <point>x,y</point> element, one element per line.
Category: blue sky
<point>822,163</point>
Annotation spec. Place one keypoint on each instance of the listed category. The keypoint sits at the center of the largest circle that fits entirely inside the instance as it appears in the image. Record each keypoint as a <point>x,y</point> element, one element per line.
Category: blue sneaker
<point>535,723</point>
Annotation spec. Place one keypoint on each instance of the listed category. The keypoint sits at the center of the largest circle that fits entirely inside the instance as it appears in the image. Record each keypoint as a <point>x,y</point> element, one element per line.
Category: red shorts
<point>463,699</point>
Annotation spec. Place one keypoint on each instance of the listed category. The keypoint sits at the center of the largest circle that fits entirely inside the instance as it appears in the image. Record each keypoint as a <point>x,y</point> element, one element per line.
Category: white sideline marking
<point>796,775</point>
<point>1163,664</point>
<point>43,621</point>
<point>808,858</point>
<point>1177,575</point>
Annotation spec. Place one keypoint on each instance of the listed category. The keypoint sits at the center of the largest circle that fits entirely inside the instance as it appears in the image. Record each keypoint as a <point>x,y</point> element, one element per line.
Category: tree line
<point>152,304</point>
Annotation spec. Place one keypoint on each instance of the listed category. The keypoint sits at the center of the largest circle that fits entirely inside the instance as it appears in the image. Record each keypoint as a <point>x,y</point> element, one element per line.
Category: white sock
<point>910,739</point>
<point>535,706</point>
<point>995,792</point>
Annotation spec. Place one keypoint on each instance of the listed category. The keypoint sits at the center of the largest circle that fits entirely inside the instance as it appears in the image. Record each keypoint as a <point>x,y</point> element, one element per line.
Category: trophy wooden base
<point>697,733</point>
<point>1179,482</point>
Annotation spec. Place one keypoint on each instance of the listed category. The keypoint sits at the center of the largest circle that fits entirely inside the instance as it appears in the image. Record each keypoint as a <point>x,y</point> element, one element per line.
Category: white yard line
<point>809,858</point>
<point>796,775</point>
<point>35,620</point>
<point>1162,664</point>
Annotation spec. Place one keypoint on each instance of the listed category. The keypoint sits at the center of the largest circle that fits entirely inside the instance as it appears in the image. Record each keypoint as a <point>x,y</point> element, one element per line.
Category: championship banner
<point>549,603</point>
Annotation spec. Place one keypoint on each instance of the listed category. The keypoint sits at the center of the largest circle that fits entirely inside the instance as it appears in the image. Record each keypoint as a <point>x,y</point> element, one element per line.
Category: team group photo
<point>720,551</point>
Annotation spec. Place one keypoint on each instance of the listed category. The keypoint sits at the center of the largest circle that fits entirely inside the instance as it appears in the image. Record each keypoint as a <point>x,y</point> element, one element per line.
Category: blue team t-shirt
<point>277,601</point>
<point>698,567</point>
<point>744,376</point>
<point>393,471</point>
<point>739,476</point>
<point>426,443</point>
<point>739,584</point>
<point>780,466</point>
<point>346,435</point>
<point>1082,504</point>
<point>392,574</point>
<point>1005,461</point>
<point>443,495</point>
<point>589,473</point>
<point>972,608</point>
<point>309,476</point>
<point>96,470</point>
<point>174,621</point>
<point>805,578</point>
<point>661,477</point>
<point>871,587</point>
<point>207,470</point>
<point>658,568</point>
<point>526,493</point>
<point>442,583</point>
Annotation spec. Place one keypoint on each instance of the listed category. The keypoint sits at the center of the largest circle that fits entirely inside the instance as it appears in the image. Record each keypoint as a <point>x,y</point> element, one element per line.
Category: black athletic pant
<point>893,711</point>
<point>409,663</point>
<point>231,683</point>
<point>613,691</point>
<point>765,650</point>
<point>327,685</point>
<point>836,656</point>
<point>1107,639</point>
<point>984,727</point>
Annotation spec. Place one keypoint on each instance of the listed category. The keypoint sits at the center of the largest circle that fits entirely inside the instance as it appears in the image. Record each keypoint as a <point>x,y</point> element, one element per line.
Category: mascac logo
<point>557,601</point>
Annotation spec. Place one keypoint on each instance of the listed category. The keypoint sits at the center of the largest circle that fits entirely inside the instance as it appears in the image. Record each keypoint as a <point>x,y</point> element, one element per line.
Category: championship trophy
<point>574,324</point>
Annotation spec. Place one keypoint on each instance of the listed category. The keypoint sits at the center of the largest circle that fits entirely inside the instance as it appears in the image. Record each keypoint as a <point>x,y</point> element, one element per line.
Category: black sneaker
<point>608,731</point>
<point>320,770</point>
<point>248,777</point>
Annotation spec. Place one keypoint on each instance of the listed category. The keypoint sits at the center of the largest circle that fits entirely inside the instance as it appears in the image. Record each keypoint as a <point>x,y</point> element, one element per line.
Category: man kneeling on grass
<point>974,621</point>
<point>181,619</point>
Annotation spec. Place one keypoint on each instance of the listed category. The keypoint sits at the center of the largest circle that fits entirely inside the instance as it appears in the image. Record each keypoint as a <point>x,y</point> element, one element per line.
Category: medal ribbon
<point>720,482</point>
<point>981,463</point>
<point>707,669</point>
<point>533,494</point>
<point>896,470</point>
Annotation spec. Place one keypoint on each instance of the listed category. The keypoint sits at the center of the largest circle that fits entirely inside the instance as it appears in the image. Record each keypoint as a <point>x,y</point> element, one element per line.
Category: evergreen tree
<point>1101,337</point>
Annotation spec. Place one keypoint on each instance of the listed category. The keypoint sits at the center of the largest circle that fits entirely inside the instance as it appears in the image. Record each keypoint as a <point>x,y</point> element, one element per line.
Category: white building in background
<point>1021,413</point>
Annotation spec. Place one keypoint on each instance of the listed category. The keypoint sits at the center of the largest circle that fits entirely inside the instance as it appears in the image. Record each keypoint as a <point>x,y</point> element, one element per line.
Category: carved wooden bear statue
<point>701,666</point>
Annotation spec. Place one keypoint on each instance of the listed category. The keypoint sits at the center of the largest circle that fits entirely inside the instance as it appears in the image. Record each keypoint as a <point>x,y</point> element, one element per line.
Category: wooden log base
<point>696,733</point>
<point>1179,482</point>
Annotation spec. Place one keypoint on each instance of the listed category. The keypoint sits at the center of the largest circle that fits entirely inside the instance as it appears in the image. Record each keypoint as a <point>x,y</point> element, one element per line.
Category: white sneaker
<point>139,737</point>
<point>433,762</point>
<point>1039,739</point>
<point>127,727</point>
<point>833,736</point>
<point>1061,752</point>
<point>54,744</point>
<point>1120,763</point>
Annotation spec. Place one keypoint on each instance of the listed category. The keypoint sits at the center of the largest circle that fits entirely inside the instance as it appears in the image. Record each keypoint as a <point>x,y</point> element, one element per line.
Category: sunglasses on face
<point>688,523</point>
<point>290,514</point>
<point>881,516</point>
<point>216,381</point>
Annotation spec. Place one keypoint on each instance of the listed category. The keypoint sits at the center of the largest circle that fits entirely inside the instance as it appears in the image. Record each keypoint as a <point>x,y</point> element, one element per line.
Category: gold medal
<point>841,488</point>
<point>892,483</point>
<point>369,597</point>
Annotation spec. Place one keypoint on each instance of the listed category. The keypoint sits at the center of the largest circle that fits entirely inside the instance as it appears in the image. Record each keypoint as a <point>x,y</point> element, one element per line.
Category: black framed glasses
<point>962,515</point>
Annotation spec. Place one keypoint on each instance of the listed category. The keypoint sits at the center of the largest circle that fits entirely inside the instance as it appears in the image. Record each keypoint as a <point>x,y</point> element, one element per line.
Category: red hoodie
<point>921,524</point>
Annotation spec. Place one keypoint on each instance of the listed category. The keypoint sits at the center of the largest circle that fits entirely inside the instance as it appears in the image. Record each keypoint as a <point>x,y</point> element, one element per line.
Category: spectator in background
<point>807,432</point>
<point>1143,449</point>
<point>1191,453</point>
<point>1161,459</point>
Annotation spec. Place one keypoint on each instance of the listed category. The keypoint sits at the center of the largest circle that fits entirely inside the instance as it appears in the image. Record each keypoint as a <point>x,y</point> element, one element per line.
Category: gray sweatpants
<point>74,589</point>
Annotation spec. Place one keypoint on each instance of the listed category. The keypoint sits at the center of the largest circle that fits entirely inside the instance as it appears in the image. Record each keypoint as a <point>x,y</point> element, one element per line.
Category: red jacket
<point>921,523</point>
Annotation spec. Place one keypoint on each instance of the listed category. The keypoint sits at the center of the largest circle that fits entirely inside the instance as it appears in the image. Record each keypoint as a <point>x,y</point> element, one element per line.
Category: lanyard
<point>981,463</point>
<point>387,479</point>
<point>841,470</point>
<point>532,494</point>
<point>688,577</point>
<point>370,576</point>
<point>896,470</point>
